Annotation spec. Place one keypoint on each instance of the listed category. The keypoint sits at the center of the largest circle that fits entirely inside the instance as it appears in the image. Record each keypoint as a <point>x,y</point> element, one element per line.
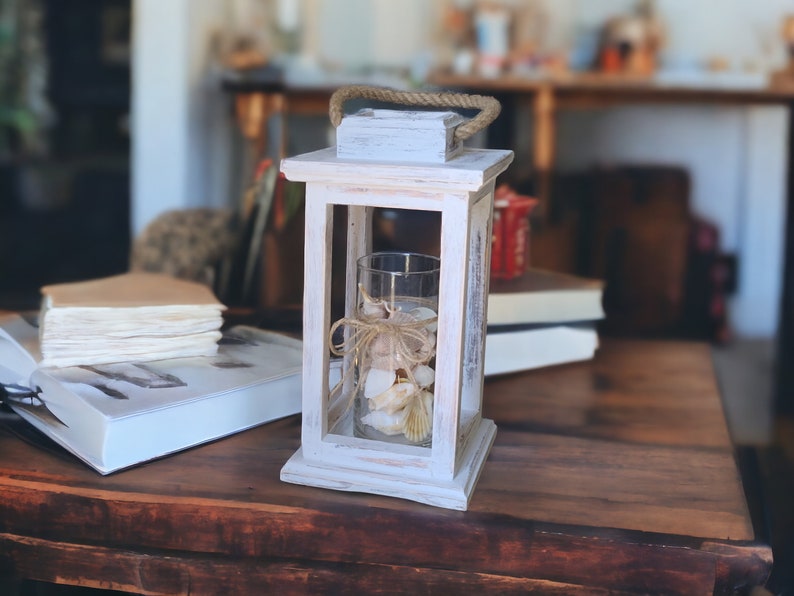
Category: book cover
<point>541,296</point>
<point>516,348</point>
<point>113,416</point>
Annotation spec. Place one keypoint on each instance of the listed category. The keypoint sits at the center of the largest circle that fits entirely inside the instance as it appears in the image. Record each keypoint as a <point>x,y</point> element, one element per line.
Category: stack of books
<point>126,369</point>
<point>541,318</point>
<point>128,317</point>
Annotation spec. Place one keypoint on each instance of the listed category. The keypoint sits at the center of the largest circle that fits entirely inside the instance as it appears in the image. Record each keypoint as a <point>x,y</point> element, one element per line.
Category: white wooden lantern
<point>373,166</point>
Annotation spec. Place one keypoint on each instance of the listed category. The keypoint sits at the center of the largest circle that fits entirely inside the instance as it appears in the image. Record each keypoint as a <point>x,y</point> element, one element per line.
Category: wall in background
<point>183,155</point>
<point>181,120</point>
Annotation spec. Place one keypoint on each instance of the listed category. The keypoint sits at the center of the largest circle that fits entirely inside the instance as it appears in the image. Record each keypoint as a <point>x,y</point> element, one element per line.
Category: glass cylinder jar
<point>395,342</point>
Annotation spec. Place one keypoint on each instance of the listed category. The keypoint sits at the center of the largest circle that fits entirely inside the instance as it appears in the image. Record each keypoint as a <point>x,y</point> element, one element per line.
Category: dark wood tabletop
<point>610,476</point>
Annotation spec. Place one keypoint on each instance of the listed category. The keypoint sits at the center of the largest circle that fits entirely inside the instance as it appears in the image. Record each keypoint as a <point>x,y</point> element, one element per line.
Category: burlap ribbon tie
<point>409,342</point>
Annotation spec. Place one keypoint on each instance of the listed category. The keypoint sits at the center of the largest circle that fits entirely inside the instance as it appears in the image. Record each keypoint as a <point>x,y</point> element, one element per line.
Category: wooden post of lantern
<point>400,160</point>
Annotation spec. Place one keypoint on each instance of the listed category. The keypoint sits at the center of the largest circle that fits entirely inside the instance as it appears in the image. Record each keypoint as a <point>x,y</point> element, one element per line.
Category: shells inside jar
<point>395,351</point>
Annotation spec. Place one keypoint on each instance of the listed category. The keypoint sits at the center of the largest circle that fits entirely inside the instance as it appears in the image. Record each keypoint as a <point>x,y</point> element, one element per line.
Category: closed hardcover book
<point>516,348</point>
<point>540,296</point>
<point>113,416</point>
<point>542,318</point>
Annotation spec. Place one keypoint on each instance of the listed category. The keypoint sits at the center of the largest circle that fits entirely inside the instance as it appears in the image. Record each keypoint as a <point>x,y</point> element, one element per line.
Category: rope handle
<point>489,106</point>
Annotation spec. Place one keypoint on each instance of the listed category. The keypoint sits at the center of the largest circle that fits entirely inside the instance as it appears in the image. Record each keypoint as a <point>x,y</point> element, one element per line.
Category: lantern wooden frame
<point>462,191</point>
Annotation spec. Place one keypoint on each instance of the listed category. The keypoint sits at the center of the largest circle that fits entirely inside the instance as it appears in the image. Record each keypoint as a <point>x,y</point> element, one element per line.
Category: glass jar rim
<point>365,262</point>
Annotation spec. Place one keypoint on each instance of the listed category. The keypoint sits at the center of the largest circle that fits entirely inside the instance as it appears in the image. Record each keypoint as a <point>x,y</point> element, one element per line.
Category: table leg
<point>543,109</point>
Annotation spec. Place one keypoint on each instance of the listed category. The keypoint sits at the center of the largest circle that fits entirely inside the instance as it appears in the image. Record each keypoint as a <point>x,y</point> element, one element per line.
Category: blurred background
<point>116,110</point>
<point>113,112</point>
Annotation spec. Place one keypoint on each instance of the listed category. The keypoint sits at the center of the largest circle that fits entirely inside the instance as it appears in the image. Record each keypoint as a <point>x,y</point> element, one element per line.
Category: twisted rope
<point>366,330</point>
<point>489,107</point>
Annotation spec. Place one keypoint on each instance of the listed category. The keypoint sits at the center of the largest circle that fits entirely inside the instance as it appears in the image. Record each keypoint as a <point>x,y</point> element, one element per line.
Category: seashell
<point>418,345</point>
<point>422,313</point>
<point>395,398</point>
<point>427,397</point>
<point>378,381</point>
<point>388,424</point>
<point>419,418</point>
<point>427,349</point>
<point>371,307</point>
<point>424,375</point>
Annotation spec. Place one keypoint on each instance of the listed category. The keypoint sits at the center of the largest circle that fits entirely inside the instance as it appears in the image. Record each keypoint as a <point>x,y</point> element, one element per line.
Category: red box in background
<point>510,249</point>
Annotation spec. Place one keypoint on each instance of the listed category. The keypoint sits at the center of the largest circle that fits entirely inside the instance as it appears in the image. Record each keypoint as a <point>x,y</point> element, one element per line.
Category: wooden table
<point>615,475</point>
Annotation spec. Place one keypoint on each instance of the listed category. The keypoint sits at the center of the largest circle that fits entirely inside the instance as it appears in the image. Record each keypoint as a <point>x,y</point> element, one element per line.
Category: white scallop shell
<point>378,381</point>
<point>395,398</point>
<point>422,313</point>
<point>388,424</point>
<point>419,419</point>
<point>424,375</point>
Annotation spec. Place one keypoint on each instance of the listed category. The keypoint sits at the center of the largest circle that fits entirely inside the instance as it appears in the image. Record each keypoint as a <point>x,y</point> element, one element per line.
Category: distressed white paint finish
<point>478,284</point>
<point>451,334</point>
<point>394,135</point>
<point>469,171</point>
<point>398,481</point>
<point>462,190</point>
<point>316,318</point>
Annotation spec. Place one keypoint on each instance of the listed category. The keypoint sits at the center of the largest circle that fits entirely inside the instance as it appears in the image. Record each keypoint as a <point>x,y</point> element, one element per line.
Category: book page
<point>19,347</point>
<point>246,357</point>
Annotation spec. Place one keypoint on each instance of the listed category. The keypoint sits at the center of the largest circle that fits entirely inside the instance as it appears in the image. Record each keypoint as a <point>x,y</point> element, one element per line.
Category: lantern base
<point>449,494</point>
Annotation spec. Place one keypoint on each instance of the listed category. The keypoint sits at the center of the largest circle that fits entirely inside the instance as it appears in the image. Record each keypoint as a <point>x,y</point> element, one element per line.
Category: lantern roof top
<point>469,170</point>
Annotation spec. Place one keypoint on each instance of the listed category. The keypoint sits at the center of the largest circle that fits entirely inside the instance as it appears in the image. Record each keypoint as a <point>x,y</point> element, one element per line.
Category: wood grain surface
<point>611,476</point>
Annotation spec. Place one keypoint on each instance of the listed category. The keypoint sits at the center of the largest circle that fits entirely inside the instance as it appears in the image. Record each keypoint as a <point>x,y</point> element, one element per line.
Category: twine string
<point>404,335</point>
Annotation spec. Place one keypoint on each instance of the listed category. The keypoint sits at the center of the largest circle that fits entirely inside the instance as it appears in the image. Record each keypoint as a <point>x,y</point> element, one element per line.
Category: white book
<point>539,346</point>
<point>540,296</point>
<point>131,316</point>
<point>113,416</point>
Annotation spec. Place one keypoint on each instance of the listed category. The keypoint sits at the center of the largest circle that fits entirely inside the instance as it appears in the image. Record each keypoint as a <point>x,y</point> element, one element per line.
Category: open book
<point>113,416</point>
